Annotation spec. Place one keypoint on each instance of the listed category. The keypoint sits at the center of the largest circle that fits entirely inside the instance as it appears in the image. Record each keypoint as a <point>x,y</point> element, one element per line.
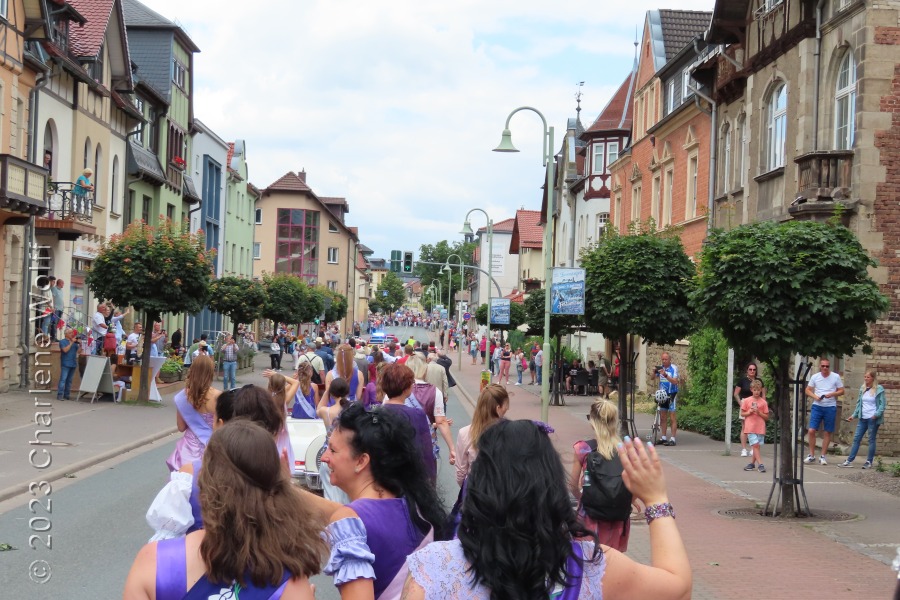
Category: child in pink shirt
<point>755,411</point>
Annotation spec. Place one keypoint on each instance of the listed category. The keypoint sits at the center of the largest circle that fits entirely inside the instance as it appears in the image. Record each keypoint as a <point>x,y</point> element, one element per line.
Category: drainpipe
<point>816,75</point>
<point>713,150</point>
<point>24,345</point>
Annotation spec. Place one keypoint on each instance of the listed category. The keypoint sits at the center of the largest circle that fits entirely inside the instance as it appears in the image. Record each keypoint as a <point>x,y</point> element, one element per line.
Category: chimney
<point>302,175</point>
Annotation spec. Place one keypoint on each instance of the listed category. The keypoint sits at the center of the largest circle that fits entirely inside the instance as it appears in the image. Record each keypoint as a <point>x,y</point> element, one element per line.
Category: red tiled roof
<point>289,182</point>
<point>230,154</point>
<point>516,296</point>
<point>527,232</point>
<point>87,39</point>
<point>361,263</point>
<point>618,107</point>
<point>126,105</point>
<point>333,200</point>
<point>506,226</point>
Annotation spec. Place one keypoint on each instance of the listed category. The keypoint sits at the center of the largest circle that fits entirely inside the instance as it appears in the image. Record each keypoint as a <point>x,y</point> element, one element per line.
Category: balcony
<point>23,188</point>
<point>823,179</point>
<point>69,213</point>
<point>824,175</point>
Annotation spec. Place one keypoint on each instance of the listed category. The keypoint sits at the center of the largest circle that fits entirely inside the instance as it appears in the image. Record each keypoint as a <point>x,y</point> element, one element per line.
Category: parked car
<point>308,442</point>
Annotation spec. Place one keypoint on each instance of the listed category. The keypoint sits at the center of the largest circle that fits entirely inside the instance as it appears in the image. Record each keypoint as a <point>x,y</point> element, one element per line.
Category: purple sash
<point>575,569</point>
<point>303,408</point>
<point>192,418</point>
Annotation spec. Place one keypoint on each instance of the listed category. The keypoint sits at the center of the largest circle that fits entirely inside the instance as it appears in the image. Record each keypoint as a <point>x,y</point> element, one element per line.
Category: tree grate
<point>756,514</point>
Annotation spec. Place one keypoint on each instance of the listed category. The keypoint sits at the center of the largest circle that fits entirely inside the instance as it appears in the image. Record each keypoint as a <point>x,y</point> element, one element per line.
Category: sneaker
<point>750,467</point>
<point>867,465</point>
<point>846,465</point>
<point>809,459</point>
<point>663,441</point>
<point>517,383</point>
<point>745,452</point>
<point>671,442</point>
<point>822,461</point>
<point>762,468</point>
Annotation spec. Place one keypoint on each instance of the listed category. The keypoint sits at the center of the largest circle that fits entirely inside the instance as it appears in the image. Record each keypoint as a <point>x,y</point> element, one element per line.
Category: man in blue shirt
<point>668,382</point>
<point>68,362</point>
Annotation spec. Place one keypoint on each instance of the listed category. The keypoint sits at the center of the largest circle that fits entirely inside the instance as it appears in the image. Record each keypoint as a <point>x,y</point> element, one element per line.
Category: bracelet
<point>655,511</point>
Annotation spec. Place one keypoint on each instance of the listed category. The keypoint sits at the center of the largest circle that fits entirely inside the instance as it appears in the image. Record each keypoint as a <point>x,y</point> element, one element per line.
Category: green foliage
<point>709,420</point>
<point>242,300</point>
<point>516,339</point>
<point>171,366</point>
<point>566,353</point>
<point>154,269</point>
<point>516,317</point>
<point>752,277</point>
<point>708,366</point>
<point>288,299</point>
<point>879,465</point>
<point>559,324</point>
<point>329,303</point>
<point>396,292</point>
<point>895,469</point>
<point>639,284</point>
<point>439,253</point>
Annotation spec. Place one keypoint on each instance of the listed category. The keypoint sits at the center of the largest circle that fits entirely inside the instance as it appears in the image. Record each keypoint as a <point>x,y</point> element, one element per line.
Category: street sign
<point>467,316</point>
<point>384,293</point>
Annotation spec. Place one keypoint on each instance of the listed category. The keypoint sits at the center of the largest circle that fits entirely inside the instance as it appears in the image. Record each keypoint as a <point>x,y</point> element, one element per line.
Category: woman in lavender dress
<point>394,509</point>
<point>397,383</point>
<point>196,405</point>
<point>519,535</point>
<point>251,510</point>
<point>283,390</point>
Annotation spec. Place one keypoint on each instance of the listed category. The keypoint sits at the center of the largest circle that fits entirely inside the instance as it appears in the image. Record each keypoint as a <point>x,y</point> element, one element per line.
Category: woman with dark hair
<point>394,509</point>
<point>519,533</point>
<point>196,405</point>
<point>397,383</point>
<point>600,452</point>
<point>260,538</point>
<point>741,391</point>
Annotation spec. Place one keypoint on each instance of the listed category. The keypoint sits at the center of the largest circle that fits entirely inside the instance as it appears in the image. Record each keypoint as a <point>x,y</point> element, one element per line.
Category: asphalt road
<point>96,522</point>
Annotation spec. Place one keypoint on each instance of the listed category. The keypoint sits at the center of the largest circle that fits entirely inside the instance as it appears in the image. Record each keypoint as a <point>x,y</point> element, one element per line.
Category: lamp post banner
<point>567,291</point>
<point>500,311</point>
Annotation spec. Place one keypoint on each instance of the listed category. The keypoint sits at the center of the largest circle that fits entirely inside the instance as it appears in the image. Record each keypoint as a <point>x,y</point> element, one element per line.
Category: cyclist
<point>668,382</point>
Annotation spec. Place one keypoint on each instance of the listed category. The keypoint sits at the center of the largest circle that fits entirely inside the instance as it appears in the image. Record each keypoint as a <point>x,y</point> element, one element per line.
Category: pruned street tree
<point>439,253</point>
<point>288,299</point>
<point>638,284</point>
<point>396,293</point>
<point>156,270</point>
<point>560,325</point>
<point>241,300</point>
<point>777,289</point>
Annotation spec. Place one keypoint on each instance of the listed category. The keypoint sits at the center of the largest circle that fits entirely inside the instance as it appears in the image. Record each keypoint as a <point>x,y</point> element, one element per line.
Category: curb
<point>22,488</point>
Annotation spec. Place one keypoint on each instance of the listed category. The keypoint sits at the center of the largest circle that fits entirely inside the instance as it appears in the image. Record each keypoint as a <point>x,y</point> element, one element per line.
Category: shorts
<point>820,414</point>
<point>756,438</point>
<point>672,403</point>
<point>483,353</point>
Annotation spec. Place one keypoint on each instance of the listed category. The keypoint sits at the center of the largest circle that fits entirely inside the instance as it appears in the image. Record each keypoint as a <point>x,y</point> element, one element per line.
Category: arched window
<point>114,190</point>
<point>845,104</point>
<point>776,126</point>
<point>741,162</point>
<point>726,158</point>
<point>98,160</point>
<point>49,148</point>
<point>87,153</point>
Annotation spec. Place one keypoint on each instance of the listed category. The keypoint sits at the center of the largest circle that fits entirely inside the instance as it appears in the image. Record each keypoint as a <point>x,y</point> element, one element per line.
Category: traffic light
<point>396,257</point>
<point>407,262</point>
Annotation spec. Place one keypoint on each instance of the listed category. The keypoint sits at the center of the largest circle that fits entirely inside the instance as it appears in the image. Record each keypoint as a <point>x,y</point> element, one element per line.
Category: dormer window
<point>61,33</point>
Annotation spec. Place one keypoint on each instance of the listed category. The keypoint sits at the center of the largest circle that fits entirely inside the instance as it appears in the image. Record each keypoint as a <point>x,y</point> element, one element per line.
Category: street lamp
<point>449,273</point>
<point>467,230</point>
<point>440,289</point>
<point>506,145</point>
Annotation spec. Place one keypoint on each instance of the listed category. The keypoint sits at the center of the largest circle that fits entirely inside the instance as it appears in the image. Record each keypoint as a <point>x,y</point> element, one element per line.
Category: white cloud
<point>396,105</point>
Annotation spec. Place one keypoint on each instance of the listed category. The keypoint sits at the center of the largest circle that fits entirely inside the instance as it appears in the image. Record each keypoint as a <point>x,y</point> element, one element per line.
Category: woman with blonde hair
<point>594,460</point>
<point>196,405</point>
<point>492,405</point>
<point>283,389</point>
<point>870,404</point>
<point>345,368</point>
<point>431,400</point>
<point>260,538</point>
<point>306,395</point>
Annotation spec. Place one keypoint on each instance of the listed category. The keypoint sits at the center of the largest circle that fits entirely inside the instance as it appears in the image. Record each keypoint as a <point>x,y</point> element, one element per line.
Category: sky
<point>397,105</point>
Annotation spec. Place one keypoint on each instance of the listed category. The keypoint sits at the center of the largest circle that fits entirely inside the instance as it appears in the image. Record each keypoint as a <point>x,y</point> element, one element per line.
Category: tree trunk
<point>234,332</point>
<point>785,403</point>
<point>624,376</point>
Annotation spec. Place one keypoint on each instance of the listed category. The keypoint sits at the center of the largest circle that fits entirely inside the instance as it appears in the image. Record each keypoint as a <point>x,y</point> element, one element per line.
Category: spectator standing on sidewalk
<point>602,376</point>
<point>532,368</point>
<point>521,365</point>
<point>482,345</point>
<point>68,363</point>
<point>668,382</point>
<point>742,390</point>
<point>870,405</point>
<point>99,327</point>
<point>824,388</point>
<point>56,292</point>
<point>755,411</point>
<point>539,365</point>
<point>505,358</point>
<point>229,363</point>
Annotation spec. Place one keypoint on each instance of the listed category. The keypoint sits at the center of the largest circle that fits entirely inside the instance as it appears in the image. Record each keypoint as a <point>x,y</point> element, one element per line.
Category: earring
<point>356,470</point>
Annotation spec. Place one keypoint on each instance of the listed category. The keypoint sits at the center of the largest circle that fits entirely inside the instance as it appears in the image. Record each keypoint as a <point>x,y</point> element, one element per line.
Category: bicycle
<point>655,429</point>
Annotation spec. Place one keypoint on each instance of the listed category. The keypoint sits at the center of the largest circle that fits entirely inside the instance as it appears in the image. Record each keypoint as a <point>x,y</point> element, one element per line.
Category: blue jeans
<point>870,425</point>
<point>65,381</point>
<point>539,369</point>
<point>519,371</point>
<point>229,369</point>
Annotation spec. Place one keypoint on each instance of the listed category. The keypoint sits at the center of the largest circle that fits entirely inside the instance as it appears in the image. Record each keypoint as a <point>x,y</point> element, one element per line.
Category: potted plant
<point>179,163</point>
<point>170,371</point>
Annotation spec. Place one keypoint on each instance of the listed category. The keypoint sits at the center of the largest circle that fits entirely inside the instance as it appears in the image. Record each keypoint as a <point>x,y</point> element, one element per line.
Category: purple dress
<point>171,578</point>
<point>374,545</point>
<point>199,429</point>
<point>420,423</point>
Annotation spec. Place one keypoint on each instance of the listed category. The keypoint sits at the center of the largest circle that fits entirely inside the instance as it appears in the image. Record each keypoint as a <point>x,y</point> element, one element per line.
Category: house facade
<point>299,234</point>
<point>23,183</point>
<point>526,243</point>
<point>808,97</point>
<point>503,266</point>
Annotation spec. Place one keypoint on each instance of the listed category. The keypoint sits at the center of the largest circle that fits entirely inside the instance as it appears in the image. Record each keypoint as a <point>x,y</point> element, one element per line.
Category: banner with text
<point>500,311</point>
<point>567,291</point>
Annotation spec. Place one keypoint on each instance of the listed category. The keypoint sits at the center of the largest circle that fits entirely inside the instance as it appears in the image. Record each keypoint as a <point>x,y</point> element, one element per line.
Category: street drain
<point>818,515</point>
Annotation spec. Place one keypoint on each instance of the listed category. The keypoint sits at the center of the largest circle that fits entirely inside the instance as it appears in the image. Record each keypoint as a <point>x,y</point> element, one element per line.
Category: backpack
<point>109,342</point>
<point>316,378</point>
<point>605,497</point>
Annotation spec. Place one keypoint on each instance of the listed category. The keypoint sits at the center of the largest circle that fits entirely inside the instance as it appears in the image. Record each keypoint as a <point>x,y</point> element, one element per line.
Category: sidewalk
<point>737,558</point>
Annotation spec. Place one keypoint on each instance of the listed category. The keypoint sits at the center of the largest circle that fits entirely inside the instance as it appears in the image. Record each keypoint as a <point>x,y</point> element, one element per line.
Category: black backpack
<point>606,498</point>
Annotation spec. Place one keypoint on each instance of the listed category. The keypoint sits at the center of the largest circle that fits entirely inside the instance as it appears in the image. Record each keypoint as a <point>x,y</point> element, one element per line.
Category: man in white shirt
<point>539,364</point>
<point>824,388</point>
<point>132,344</point>
<point>99,327</point>
<point>436,375</point>
<point>306,354</point>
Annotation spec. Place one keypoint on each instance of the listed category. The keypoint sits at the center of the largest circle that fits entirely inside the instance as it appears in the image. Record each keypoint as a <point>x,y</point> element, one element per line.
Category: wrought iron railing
<point>824,175</point>
<point>67,200</point>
